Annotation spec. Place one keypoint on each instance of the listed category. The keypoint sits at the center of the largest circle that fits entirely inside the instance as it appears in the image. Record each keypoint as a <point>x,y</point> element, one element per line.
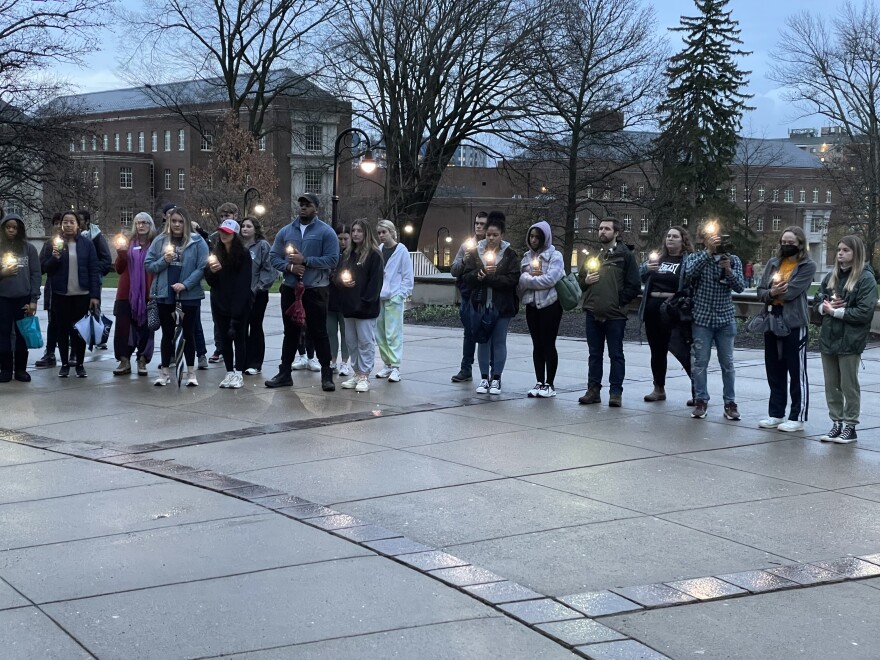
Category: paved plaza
<point>423,521</point>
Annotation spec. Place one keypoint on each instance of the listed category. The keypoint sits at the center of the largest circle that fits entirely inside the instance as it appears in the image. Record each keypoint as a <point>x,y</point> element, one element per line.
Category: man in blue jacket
<point>306,251</point>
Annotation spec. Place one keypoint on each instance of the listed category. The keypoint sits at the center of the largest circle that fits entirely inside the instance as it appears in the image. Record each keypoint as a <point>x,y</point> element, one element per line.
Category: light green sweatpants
<point>842,393</point>
<point>389,331</point>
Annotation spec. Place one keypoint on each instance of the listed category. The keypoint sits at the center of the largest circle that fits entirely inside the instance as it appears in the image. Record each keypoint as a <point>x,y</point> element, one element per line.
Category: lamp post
<point>448,240</point>
<point>259,209</point>
<point>368,166</point>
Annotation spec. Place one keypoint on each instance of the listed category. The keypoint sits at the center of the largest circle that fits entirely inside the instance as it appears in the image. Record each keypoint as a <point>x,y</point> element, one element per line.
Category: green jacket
<point>618,284</point>
<point>849,335</point>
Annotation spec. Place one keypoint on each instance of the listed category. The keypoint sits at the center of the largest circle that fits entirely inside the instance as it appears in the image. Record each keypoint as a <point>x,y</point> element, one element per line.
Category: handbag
<point>765,322</point>
<point>568,292</point>
<point>153,321</point>
<point>29,327</point>
<point>678,309</point>
<point>482,320</point>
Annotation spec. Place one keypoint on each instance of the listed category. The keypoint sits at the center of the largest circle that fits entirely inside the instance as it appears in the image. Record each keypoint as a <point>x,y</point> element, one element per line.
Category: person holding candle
<point>541,268</point>
<point>263,277</point>
<point>314,255</point>
<point>663,275</point>
<point>71,262</point>
<point>177,258</point>
<point>335,319</point>
<point>846,301</point>
<point>492,274</point>
<point>230,274</point>
<point>20,278</point>
<point>783,288</point>
<point>360,278</point>
<point>714,277</point>
<point>48,357</point>
<point>130,332</point>
<point>610,282</point>
<point>469,346</point>
<point>397,285</point>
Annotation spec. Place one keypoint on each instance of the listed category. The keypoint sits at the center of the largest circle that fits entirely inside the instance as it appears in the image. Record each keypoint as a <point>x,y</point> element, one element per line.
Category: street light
<point>368,166</point>
<point>448,240</point>
<point>259,209</point>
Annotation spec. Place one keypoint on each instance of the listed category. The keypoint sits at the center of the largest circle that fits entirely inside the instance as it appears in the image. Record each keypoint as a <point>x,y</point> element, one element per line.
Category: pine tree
<point>700,119</point>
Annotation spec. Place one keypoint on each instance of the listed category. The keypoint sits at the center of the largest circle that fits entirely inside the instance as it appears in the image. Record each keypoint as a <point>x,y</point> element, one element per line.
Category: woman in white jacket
<point>397,286</point>
<point>541,268</point>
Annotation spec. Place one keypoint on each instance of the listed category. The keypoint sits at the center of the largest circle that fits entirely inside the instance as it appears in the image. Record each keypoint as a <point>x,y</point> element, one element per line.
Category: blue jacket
<point>86,262</point>
<point>195,258</point>
<point>319,246</point>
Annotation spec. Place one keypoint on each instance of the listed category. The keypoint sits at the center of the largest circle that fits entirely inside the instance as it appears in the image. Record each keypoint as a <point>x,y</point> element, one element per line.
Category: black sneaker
<point>847,435</point>
<point>5,376</point>
<point>833,433</point>
<point>81,371</point>
<point>22,376</point>
<point>281,379</point>
<point>731,411</point>
<point>64,371</point>
<point>46,361</point>
<point>327,383</point>
<point>700,409</point>
<point>462,376</point>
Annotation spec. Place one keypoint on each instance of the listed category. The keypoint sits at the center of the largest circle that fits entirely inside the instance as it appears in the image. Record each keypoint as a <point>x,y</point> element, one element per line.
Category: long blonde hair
<point>855,244</point>
<point>369,244</point>
<point>187,225</point>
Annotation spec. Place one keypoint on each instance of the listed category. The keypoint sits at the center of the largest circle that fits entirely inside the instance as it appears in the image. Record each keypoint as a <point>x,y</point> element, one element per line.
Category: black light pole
<point>367,164</point>
<point>448,240</point>
<point>247,195</point>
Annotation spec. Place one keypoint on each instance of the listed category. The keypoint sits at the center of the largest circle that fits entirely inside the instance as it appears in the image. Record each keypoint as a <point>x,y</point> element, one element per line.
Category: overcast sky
<point>760,21</point>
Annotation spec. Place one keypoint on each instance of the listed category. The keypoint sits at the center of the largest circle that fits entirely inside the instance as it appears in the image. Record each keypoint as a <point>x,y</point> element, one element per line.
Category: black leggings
<point>663,339</point>
<point>67,310</point>
<point>256,338</point>
<point>233,349</point>
<point>166,317</point>
<point>543,327</point>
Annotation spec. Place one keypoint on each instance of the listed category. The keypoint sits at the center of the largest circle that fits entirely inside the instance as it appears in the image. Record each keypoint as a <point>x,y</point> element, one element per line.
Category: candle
<point>58,243</point>
<point>835,297</point>
<point>169,250</point>
<point>290,249</point>
<point>777,277</point>
<point>470,244</point>
<point>345,276</point>
<point>654,256</point>
<point>711,228</point>
<point>121,242</point>
<point>536,263</point>
<point>489,257</point>
<point>213,260</point>
<point>592,265</point>
<point>10,260</point>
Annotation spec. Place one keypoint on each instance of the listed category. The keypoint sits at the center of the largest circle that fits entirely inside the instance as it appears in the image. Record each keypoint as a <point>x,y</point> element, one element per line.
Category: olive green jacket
<point>848,335</point>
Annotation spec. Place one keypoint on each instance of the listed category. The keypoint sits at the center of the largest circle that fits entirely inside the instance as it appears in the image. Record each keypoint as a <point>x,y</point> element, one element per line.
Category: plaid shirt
<point>713,299</point>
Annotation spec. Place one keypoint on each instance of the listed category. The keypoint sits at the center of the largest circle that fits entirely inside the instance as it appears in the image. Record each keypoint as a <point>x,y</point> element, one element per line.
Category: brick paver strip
<point>339,521</point>
<point>874,559</point>
<point>432,560</point>
<point>805,574</point>
<point>628,649</point>
<point>306,511</point>
<point>540,611</point>
<point>367,533</point>
<point>401,546</point>
<point>757,581</point>
<point>600,603</point>
<point>850,567</point>
<point>503,592</point>
<point>654,595</point>
<point>465,576</point>
<point>707,588</point>
<point>580,631</point>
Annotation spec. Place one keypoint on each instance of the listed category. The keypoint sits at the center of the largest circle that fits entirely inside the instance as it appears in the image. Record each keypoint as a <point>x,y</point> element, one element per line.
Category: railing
<point>422,265</point>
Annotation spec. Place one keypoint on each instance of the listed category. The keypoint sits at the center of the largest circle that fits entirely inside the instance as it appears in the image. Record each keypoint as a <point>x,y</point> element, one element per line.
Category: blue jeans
<point>702,350</point>
<point>492,355</point>
<point>598,334</point>
<point>469,346</point>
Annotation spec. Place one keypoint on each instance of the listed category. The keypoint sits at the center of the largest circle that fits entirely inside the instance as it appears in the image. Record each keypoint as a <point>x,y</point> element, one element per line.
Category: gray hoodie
<point>26,282</point>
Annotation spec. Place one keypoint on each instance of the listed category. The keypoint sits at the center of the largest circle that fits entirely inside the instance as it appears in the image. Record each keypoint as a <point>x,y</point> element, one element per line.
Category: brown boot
<point>659,394</point>
<point>591,395</point>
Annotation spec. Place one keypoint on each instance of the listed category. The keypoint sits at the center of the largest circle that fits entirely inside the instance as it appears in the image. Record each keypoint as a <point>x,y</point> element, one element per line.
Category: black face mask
<point>788,250</point>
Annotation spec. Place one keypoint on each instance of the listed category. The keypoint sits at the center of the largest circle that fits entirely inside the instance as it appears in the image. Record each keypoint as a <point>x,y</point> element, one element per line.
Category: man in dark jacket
<point>469,346</point>
<point>610,282</point>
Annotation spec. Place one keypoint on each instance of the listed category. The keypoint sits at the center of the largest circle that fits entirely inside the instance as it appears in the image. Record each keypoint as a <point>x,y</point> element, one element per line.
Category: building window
<point>641,192</point>
<point>777,223</point>
<point>314,137</point>
<point>181,179</point>
<point>816,222</point>
<point>827,196</point>
<point>94,143</point>
<point>815,195</point>
<point>207,142</point>
<point>759,224</point>
<point>261,143</point>
<point>180,137</point>
<point>72,146</point>
<point>167,140</point>
<point>802,196</point>
<point>577,222</point>
<point>116,141</point>
<point>643,225</point>
<point>732,194</point>
<point>167,179</point>
<point>129,144</point>
<point>125,177</point>
<point>761,192</point>
<point>96,179</point>
<point>154,141</point>
<point>126,216</point>
<point>788,195</point>
<point>105,141</point>
<point>776,194</point>
<point>606,194</point>
<point>589,192</point>
<point>627,222</point>
<point>141,143</point>
<point>684,222</point>
<point>624,191</point>
<point>82,143</point>
<point>314,180</point>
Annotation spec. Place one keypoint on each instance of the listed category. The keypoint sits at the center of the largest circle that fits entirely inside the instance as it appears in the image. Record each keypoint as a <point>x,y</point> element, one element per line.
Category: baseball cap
<point>312,198</point>
<point>229,226</point>
<point>168,207</point>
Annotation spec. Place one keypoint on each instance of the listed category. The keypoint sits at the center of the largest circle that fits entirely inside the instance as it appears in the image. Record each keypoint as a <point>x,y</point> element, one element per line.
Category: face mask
<point>788,250</point>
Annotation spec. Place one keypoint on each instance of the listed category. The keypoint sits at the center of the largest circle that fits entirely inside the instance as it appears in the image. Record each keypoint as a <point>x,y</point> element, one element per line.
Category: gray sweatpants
<point>360,335</point>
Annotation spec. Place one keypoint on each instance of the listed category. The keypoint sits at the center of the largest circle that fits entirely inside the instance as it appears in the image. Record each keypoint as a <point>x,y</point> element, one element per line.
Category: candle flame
<point>490,257</point>
<point>470,244</point>
<point>777,277</point>
<point>121,241</point>
<point>654,256</point>
<point>59,243</point>
<point>711,227</point>
<point>536,263</point>
<point>345,276</point>
<point>290,248</point>
<point>212,259</point>
<point>10,259</point>
<point>592,264</point>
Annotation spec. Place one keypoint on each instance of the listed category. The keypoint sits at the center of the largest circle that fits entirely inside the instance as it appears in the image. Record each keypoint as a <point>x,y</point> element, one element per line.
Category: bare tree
<point>430,76</point>
<point>599,71</point>
<point>832,68</point>
<point>238,52</point>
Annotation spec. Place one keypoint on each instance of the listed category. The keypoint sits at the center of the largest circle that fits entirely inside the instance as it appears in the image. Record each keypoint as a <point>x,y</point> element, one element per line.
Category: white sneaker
<point>771,422</point>
<point>385,372</point>
<point>394,376</point>
<point>483,387</point>
<point>314,364</point>
<point>191,380</point>
<point>790,426</point>
<point>546,391</point>
<point>227,382</point>
<point>495,386</point>
<point>301,362</point>
<point>236,382</point>
<point>164,378</point>
<point>535,390</point>
<point>345,369</point>
<point>251,371</point>
<point>350,384</point>
<point>363,384</point>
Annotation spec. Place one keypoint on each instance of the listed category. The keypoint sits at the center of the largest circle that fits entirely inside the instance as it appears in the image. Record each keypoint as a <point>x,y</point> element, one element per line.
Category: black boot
<point>327,383</point>
<point>48,360</point>
<point>5,367</point>
<point>281,379</point>
<point>20,368</point>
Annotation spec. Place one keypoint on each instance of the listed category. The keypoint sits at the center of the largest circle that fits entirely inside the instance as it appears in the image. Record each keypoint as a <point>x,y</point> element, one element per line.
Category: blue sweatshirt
<point>317,242</point>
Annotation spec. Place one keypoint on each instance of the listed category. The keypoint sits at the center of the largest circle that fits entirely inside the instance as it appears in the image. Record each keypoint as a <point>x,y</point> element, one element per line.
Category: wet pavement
<point>423,520</point>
